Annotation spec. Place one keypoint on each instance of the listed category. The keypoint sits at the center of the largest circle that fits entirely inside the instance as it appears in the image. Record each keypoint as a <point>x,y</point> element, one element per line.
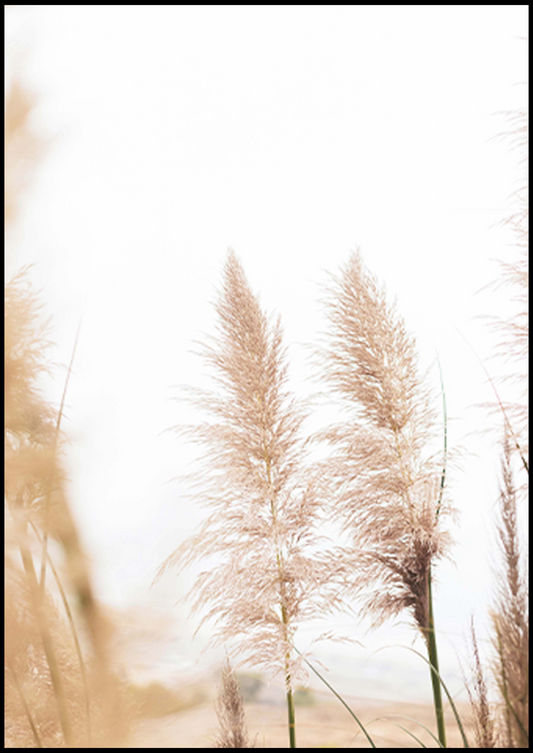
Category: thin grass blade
<point>44,557</point>
<point>411,719</point>
<point>454,708</point>
<point>396,724</point>
<point>341,699</point>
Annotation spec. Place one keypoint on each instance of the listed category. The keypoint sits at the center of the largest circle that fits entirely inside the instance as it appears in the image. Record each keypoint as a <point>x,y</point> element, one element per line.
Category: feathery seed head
<point>380,482</point>
<point>263,510</point>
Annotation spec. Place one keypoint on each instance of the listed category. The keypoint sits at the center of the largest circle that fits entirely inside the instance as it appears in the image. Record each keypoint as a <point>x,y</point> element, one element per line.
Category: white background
<point>293,135</point>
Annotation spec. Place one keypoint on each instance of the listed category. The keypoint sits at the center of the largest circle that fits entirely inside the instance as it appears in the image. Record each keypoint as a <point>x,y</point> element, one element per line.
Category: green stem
<point>434,666</point>
<point>279,559</point>
<point>341,699</point>
<point>292,727</point>
<point>288,686</point>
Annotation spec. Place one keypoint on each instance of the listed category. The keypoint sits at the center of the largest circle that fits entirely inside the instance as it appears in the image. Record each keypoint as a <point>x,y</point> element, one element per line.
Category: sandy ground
<point>326,724</point>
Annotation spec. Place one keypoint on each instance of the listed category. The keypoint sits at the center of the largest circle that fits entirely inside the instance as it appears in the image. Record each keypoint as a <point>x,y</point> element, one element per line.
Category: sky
<point>293,135</point>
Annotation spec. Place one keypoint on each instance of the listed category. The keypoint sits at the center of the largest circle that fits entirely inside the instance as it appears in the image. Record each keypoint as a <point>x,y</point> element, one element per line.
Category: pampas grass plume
<point>230,712</point>
<point>381,485</point>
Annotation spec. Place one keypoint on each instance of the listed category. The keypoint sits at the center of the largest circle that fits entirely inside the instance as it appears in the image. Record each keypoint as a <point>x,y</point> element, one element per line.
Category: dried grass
<point>479,699</point>
<point>22,148</point>
<point>264,511</point>
<point>56,694</point>
<point>510,618</point>
<point>51,690</point>
<point>381,485</point>
<point>510,614</point>
<point>230,712</point>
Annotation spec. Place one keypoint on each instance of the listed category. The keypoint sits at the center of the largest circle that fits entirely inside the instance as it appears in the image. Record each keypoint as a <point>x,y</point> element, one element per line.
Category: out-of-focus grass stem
<point>48,645</point>
<point>46,523</point>
<point>72,624</point>
<point>26,707</point>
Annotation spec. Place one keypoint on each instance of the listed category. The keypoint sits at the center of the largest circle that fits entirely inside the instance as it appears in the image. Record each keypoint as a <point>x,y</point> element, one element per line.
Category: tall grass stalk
<point>383,483</point>
<point>32,621</point>
<point>264,511</point>
<point>510,616</point>
<point>43,680</point>
<point>28,458</point>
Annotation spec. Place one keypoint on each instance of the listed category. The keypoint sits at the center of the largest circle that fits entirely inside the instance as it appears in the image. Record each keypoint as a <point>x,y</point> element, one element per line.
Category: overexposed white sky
<point>293,135</point>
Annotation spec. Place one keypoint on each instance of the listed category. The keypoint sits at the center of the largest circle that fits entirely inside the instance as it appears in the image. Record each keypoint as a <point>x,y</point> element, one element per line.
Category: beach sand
<point>326,724</point>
